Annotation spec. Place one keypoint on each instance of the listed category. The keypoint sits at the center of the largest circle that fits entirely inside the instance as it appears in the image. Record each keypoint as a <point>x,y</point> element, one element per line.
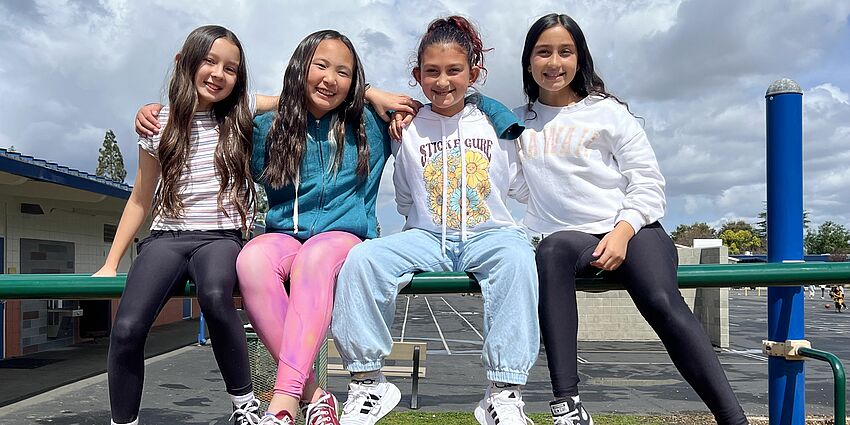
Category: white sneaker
<point>246,414</point>
<point>369,400</point>
<point>570,412</point>
<point>502,406</point>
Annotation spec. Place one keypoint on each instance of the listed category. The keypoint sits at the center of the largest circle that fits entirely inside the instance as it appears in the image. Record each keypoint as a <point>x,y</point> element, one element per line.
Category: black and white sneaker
<point>246,414</point>
<point>502,406</point>
<point>369,400</point>
<point>570,412</point>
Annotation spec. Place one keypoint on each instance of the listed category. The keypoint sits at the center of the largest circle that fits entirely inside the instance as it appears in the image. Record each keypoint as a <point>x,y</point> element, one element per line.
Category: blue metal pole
<point>786,379</point>
<point>202,333</point>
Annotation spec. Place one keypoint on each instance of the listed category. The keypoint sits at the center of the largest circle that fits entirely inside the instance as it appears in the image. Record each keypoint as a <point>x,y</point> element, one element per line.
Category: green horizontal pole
<point>70,287</point>
<point>690,276</point>
<point>78,286</point>
<point>838,375</point>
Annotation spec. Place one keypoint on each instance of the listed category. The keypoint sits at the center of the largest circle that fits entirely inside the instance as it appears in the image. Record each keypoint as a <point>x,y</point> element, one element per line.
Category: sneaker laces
<point>505,406</point>
<point>357,396</point>
<point>571,418</point>
<point>248,412</point>
<point>322,409</point>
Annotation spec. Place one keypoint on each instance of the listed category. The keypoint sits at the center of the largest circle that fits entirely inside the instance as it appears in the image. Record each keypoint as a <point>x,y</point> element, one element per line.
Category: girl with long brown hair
<point>195,179</point>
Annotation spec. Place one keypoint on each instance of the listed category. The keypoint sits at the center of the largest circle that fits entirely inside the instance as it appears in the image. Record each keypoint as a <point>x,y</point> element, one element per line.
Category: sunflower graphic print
<point>477,186</point>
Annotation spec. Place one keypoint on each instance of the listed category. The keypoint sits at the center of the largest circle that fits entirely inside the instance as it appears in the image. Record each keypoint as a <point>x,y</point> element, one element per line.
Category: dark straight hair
<point>287,137</point>
<point>586,82</point>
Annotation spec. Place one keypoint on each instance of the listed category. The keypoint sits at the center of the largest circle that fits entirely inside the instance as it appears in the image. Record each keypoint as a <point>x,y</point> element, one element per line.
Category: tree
<point>761,225</point>
<point>110,163</point>
<point>686,233</point>
<point>740,236</point>
<point>829,238</point>
<point>736,226</point>
<point>739,241</point>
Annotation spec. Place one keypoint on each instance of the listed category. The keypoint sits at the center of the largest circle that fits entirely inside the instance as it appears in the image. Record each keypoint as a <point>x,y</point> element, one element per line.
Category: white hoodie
<point>438,156</point>
<point>588,166</point>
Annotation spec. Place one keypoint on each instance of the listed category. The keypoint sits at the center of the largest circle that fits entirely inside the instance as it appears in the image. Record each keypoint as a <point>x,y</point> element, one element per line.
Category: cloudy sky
<point>695,70</point>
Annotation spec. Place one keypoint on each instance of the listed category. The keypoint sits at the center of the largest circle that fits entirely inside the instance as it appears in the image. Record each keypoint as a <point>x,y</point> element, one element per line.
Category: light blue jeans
<point>501,259</point>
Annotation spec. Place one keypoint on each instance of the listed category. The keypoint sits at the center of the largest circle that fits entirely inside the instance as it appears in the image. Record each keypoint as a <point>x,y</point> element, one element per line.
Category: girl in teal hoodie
<point>319,157</point>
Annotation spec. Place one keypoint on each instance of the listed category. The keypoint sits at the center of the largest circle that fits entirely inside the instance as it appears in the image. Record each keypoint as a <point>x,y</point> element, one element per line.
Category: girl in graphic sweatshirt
<point>454,170</point>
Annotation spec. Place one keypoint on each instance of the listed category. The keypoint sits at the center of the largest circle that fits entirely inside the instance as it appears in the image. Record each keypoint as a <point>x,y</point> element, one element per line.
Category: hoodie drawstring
<point>444,204</point>
<point>463,191</point>
<point>464,201</point>
<point>296,183</point>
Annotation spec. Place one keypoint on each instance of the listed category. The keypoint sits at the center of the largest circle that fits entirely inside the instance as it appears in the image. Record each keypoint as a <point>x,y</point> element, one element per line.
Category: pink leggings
<point>292,326</point>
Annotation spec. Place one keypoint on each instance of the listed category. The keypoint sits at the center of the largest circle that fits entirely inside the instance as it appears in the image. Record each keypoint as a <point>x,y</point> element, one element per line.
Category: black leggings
<point>167,259</point>
<point>649,274</point>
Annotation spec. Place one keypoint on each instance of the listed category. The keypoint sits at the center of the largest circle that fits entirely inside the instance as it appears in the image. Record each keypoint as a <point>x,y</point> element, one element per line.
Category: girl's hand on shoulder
<point>384,101</point>
<point>105,271</point>
<point>400,120</point>
<point>611,250</point>
<point>147,123</point>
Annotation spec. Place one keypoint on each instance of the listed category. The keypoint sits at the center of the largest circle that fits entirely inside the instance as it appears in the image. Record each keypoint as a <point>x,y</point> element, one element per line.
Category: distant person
<point>454,171</point>
<point>596,193</point>
<point>195,180</point>
<point>837,295</point>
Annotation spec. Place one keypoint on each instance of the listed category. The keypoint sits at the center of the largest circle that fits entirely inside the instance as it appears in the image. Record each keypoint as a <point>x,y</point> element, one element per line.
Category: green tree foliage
<point>110,163</point>
<point>736,226</point>
<point>740,236</point>
<point>686,233</point>
<point>739,241</point>
<point>829,238</point>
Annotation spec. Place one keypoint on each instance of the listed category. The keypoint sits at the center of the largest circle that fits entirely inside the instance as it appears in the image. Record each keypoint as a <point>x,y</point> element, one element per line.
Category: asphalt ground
<point>184,386</point>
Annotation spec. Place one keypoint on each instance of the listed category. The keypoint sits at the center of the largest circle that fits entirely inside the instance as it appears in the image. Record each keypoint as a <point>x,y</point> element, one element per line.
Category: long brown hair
<point>287,137</point>
<point>233,152</point>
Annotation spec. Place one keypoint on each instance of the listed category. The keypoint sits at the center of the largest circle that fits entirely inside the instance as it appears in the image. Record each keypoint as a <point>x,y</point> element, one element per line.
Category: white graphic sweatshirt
<point>453,174</point>
<point>588,165</point>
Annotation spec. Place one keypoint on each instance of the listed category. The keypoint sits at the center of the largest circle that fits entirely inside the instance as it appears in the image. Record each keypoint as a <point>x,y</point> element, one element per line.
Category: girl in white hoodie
<point>596,193</point>
<point>454,170</point>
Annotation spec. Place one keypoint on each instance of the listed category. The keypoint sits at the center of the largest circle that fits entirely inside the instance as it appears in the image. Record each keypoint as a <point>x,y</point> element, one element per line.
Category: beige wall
<point>612,316</point>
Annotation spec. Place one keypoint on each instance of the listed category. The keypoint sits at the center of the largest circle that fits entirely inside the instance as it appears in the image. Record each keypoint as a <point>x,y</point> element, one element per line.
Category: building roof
<point>43,170</point>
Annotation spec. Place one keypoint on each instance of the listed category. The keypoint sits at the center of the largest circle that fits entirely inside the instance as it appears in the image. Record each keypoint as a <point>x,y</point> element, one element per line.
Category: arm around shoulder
<point>506,124</point>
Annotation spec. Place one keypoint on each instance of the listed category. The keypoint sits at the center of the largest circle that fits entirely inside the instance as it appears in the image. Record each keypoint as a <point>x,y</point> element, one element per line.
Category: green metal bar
<point>79,286</point>
<point>690,276</point>
<point>70,287</point>
<point>838,374</point>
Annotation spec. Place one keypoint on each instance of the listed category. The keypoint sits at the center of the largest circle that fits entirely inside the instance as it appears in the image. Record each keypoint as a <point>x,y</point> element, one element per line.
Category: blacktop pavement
<point>183,384</point>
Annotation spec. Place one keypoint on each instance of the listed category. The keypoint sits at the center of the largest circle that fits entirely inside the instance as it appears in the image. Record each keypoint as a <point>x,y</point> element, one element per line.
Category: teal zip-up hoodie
<point>326,200</point>
<point>342,201</point>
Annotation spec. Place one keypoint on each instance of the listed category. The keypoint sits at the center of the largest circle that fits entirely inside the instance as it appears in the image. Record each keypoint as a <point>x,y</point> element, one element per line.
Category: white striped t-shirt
<point>199,182</point>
